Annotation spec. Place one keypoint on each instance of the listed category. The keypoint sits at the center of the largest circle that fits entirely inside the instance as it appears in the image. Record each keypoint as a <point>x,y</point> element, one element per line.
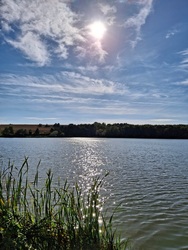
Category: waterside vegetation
<point>117,130</point>
<point>52,216</point>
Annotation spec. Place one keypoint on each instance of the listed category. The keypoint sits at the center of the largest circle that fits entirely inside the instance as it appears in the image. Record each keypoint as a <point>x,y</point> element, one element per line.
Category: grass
<point>50,217</point>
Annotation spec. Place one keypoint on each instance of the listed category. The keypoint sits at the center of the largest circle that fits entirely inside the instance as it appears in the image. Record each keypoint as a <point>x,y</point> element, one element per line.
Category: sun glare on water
<point>97,30</point>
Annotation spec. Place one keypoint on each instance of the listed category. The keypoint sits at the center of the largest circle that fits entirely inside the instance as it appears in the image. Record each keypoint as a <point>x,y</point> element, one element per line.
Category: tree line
<point>117,130</point>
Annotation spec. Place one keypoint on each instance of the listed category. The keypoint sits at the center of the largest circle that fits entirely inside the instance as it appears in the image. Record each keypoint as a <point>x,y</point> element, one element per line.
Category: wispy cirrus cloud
<point>33,118</point>
<point>83,93</point>
<point>161,121</point>
<point>94,50</point>
<point>184,83</point>
<point>64,83</point>
<point>175,30</point>
<point>109,12</point>
<point>184,63</point>
<point>67,91</point>
<point>138,20</point>
<point>171,33</point>
<point>107,9</point>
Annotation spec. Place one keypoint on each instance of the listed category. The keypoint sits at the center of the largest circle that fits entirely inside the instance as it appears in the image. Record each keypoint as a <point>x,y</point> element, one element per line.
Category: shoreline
<point>95,130</point>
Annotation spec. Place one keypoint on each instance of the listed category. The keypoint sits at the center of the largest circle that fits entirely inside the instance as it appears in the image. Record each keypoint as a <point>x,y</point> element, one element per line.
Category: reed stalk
<point>60,217</point>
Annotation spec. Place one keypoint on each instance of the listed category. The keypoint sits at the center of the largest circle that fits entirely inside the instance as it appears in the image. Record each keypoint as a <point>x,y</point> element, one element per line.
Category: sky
<point>54,68</point>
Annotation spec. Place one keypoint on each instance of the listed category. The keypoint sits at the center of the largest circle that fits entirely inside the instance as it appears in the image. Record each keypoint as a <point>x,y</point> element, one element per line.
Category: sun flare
<point>97,30</point>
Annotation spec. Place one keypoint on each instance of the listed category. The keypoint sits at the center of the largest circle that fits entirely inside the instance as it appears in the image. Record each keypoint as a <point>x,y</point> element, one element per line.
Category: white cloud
<point>44,28</point>
<point>61,51</point>
<point>177,28</point>
<point>5,26</point>
<point>109,12</point>
<point>97,51</point>
<point>87,85</point>
<point>94,50</point>
<point>62,84</point>
<point>41,22</point>
<point>161,121</point>
<point>40,118</point>
<point>185,82</point>
<point>184,52</point>
<point>138,20</point>
<point>32,47</point>
<point>84,70</point>
<point>57,30</point>
<point>171,33</point>
<point>107,9</point>
<point>108,110</point>
<point>88,68</point>
<point>184,63</point>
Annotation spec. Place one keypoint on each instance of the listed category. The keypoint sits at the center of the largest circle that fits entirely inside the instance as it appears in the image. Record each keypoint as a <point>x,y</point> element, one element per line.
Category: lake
<point>147,177</point>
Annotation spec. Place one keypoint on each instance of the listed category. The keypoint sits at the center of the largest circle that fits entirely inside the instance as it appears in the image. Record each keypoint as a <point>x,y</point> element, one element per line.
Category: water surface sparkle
<point>149,178</point>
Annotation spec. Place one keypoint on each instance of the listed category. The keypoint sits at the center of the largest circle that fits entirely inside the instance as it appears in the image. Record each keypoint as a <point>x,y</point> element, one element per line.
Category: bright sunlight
<point>97,30</point>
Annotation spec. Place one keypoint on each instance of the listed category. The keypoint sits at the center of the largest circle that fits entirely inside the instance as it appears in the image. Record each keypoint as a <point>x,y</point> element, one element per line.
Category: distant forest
<point>117,130</point>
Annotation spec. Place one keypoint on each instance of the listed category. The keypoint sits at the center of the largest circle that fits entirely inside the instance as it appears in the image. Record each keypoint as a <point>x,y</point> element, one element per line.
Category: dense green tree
<point>8,132</point>
<point>30,132</point>
<point>21,133</point>
<point>37,132</point>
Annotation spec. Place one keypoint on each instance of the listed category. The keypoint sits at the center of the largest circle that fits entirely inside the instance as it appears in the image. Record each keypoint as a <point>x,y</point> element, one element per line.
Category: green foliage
<point>37,132</point>
<point>52,217</point>
<point>8,132</point>
<point>21,133</point>
<point>116,130</point>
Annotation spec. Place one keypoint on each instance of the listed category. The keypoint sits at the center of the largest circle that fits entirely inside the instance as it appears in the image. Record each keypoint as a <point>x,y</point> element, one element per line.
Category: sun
<point>97,30</point>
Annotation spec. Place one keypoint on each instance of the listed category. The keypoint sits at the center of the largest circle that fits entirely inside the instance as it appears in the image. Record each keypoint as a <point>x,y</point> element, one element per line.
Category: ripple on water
<point>149,178</point>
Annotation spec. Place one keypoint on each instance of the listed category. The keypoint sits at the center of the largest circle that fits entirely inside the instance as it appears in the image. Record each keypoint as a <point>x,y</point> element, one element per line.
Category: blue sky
<point>53,70</point>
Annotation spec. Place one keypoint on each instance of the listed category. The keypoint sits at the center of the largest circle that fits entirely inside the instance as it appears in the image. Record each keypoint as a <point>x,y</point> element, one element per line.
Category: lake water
<point>149,178</point>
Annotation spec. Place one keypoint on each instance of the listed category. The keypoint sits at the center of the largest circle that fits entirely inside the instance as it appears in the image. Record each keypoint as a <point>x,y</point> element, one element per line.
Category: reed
<point>52,217</point>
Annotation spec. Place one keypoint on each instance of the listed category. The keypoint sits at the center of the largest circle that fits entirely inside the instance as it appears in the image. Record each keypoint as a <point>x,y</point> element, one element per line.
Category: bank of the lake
<point>117,130</point>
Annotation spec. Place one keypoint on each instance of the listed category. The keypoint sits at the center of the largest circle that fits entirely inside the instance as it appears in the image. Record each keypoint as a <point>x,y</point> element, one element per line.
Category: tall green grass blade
<point>52,217</point>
